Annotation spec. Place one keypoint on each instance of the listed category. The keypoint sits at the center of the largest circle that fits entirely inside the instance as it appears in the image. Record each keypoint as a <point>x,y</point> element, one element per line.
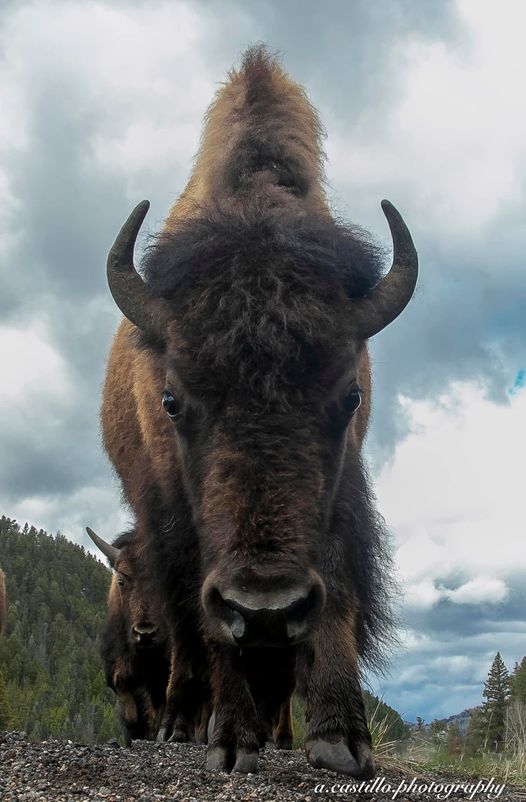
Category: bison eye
<point>170,405</point>
<point>352,401</point>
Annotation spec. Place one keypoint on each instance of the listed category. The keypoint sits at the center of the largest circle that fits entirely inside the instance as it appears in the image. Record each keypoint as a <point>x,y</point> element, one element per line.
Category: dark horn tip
<point>120,257</point>
<point>143,205</point>
<point>136,218</point>
<point>390,210</point>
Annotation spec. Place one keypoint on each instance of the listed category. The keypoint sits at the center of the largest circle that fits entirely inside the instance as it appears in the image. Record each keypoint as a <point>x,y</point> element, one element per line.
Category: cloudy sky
<point>101,107</point>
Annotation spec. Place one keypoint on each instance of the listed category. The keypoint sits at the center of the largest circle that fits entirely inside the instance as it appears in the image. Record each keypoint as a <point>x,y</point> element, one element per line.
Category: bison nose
<point>144,634</point>
<point>270,613</point>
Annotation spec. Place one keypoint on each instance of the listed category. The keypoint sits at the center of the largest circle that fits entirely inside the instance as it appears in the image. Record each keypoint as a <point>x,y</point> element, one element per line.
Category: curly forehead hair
<point>264,284</point>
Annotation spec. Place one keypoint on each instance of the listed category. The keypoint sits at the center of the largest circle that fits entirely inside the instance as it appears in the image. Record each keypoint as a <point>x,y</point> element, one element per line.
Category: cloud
<point>33,372</point>
<point>452,494</point>
<point>453,139</point>
<point>88,506</point>
<point>448,147</point>
<point>93,90</point>
<point>453,489</point>
<point>422,594</point>
<point>427,592</point>
<point>478,591</point>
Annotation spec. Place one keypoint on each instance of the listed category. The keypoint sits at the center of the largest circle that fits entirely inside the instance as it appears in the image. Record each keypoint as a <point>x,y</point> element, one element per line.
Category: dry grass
<point>387,752</point>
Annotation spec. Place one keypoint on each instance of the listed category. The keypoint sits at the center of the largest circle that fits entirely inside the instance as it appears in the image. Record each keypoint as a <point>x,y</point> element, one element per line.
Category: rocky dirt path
<point>60,771</point>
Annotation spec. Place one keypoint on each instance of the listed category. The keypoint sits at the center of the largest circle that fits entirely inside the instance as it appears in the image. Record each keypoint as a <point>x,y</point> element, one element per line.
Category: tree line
<point>500,723</point>
<point>51,681</point>
<point>497,725</point>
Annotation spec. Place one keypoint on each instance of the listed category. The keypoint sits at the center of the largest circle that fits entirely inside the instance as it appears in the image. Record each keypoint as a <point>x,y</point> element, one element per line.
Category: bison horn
<point>109,551</point>
<point>131,294</point>
<point>390,297</point>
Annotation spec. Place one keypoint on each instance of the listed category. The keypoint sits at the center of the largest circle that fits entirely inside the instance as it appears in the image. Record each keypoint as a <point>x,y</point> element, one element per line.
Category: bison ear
<point>390,297</point>
<point>130,293</point>
<point>109,551</point>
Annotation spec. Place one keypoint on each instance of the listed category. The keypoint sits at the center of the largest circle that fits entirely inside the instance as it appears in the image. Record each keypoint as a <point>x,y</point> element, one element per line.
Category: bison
<point>134,648</point>
<point>3,603</point>
<point>235,405</point>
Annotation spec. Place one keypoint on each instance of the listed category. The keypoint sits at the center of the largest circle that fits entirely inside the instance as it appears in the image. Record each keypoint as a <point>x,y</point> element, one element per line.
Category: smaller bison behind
<point>235,406</point>
<point>134,648</point>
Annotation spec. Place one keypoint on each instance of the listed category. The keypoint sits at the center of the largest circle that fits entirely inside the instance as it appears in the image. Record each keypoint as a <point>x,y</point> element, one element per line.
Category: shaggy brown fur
<point>261,135</point>
<point>257,484</point>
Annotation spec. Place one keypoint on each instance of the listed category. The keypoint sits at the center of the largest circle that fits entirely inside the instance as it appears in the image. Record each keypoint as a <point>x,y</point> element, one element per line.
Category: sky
<point>102,105</point>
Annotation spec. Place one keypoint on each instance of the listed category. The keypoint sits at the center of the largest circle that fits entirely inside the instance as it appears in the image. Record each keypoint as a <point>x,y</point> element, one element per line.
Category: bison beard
<point>251,502</point>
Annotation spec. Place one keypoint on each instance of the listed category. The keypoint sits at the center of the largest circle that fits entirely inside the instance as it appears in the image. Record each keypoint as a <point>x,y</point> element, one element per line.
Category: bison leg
<point>271,675</point>
<point>283,733</point>
<point>138,718</point>
<point>233,744</point>
<point>183,699</point>
<point>201,723</point>
<point>187,697</point>
<point>337,734</point>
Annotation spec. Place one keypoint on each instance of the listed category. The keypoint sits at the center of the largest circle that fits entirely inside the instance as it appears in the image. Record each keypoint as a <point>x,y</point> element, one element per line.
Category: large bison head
<point>260,320</point>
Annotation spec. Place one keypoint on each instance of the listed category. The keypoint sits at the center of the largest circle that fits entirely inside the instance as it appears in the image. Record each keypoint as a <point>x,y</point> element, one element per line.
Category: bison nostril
<point>219,607</point>
<point>144,633</point>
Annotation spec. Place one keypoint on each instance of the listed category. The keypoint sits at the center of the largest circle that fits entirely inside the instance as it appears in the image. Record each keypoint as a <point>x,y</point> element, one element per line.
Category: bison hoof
<point>364,754</point>
<point>218,759</point>
<point>284,743</point>
<point>246,762</point>
<point>337,757</point>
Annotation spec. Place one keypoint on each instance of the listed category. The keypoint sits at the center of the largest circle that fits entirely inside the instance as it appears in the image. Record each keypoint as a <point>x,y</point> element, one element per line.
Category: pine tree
<point>496,693</point>
<point>475,734</point>
<point>518,682</point>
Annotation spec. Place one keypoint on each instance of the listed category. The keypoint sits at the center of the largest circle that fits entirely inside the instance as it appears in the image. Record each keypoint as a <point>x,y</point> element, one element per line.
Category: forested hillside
<point>51,681</point>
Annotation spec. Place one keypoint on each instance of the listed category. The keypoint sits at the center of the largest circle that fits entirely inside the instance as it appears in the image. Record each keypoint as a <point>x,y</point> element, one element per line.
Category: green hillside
<point>51,680</point>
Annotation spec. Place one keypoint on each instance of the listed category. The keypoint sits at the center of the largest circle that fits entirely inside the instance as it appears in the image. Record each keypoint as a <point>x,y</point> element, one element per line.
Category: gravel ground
<point>61,771</point>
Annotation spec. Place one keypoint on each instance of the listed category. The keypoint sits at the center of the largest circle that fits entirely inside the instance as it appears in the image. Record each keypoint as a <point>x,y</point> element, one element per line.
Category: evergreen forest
<point>51,680</point>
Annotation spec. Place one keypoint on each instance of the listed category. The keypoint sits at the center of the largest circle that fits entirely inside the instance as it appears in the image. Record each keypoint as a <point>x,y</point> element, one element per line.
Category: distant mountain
<point>460,719</point>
